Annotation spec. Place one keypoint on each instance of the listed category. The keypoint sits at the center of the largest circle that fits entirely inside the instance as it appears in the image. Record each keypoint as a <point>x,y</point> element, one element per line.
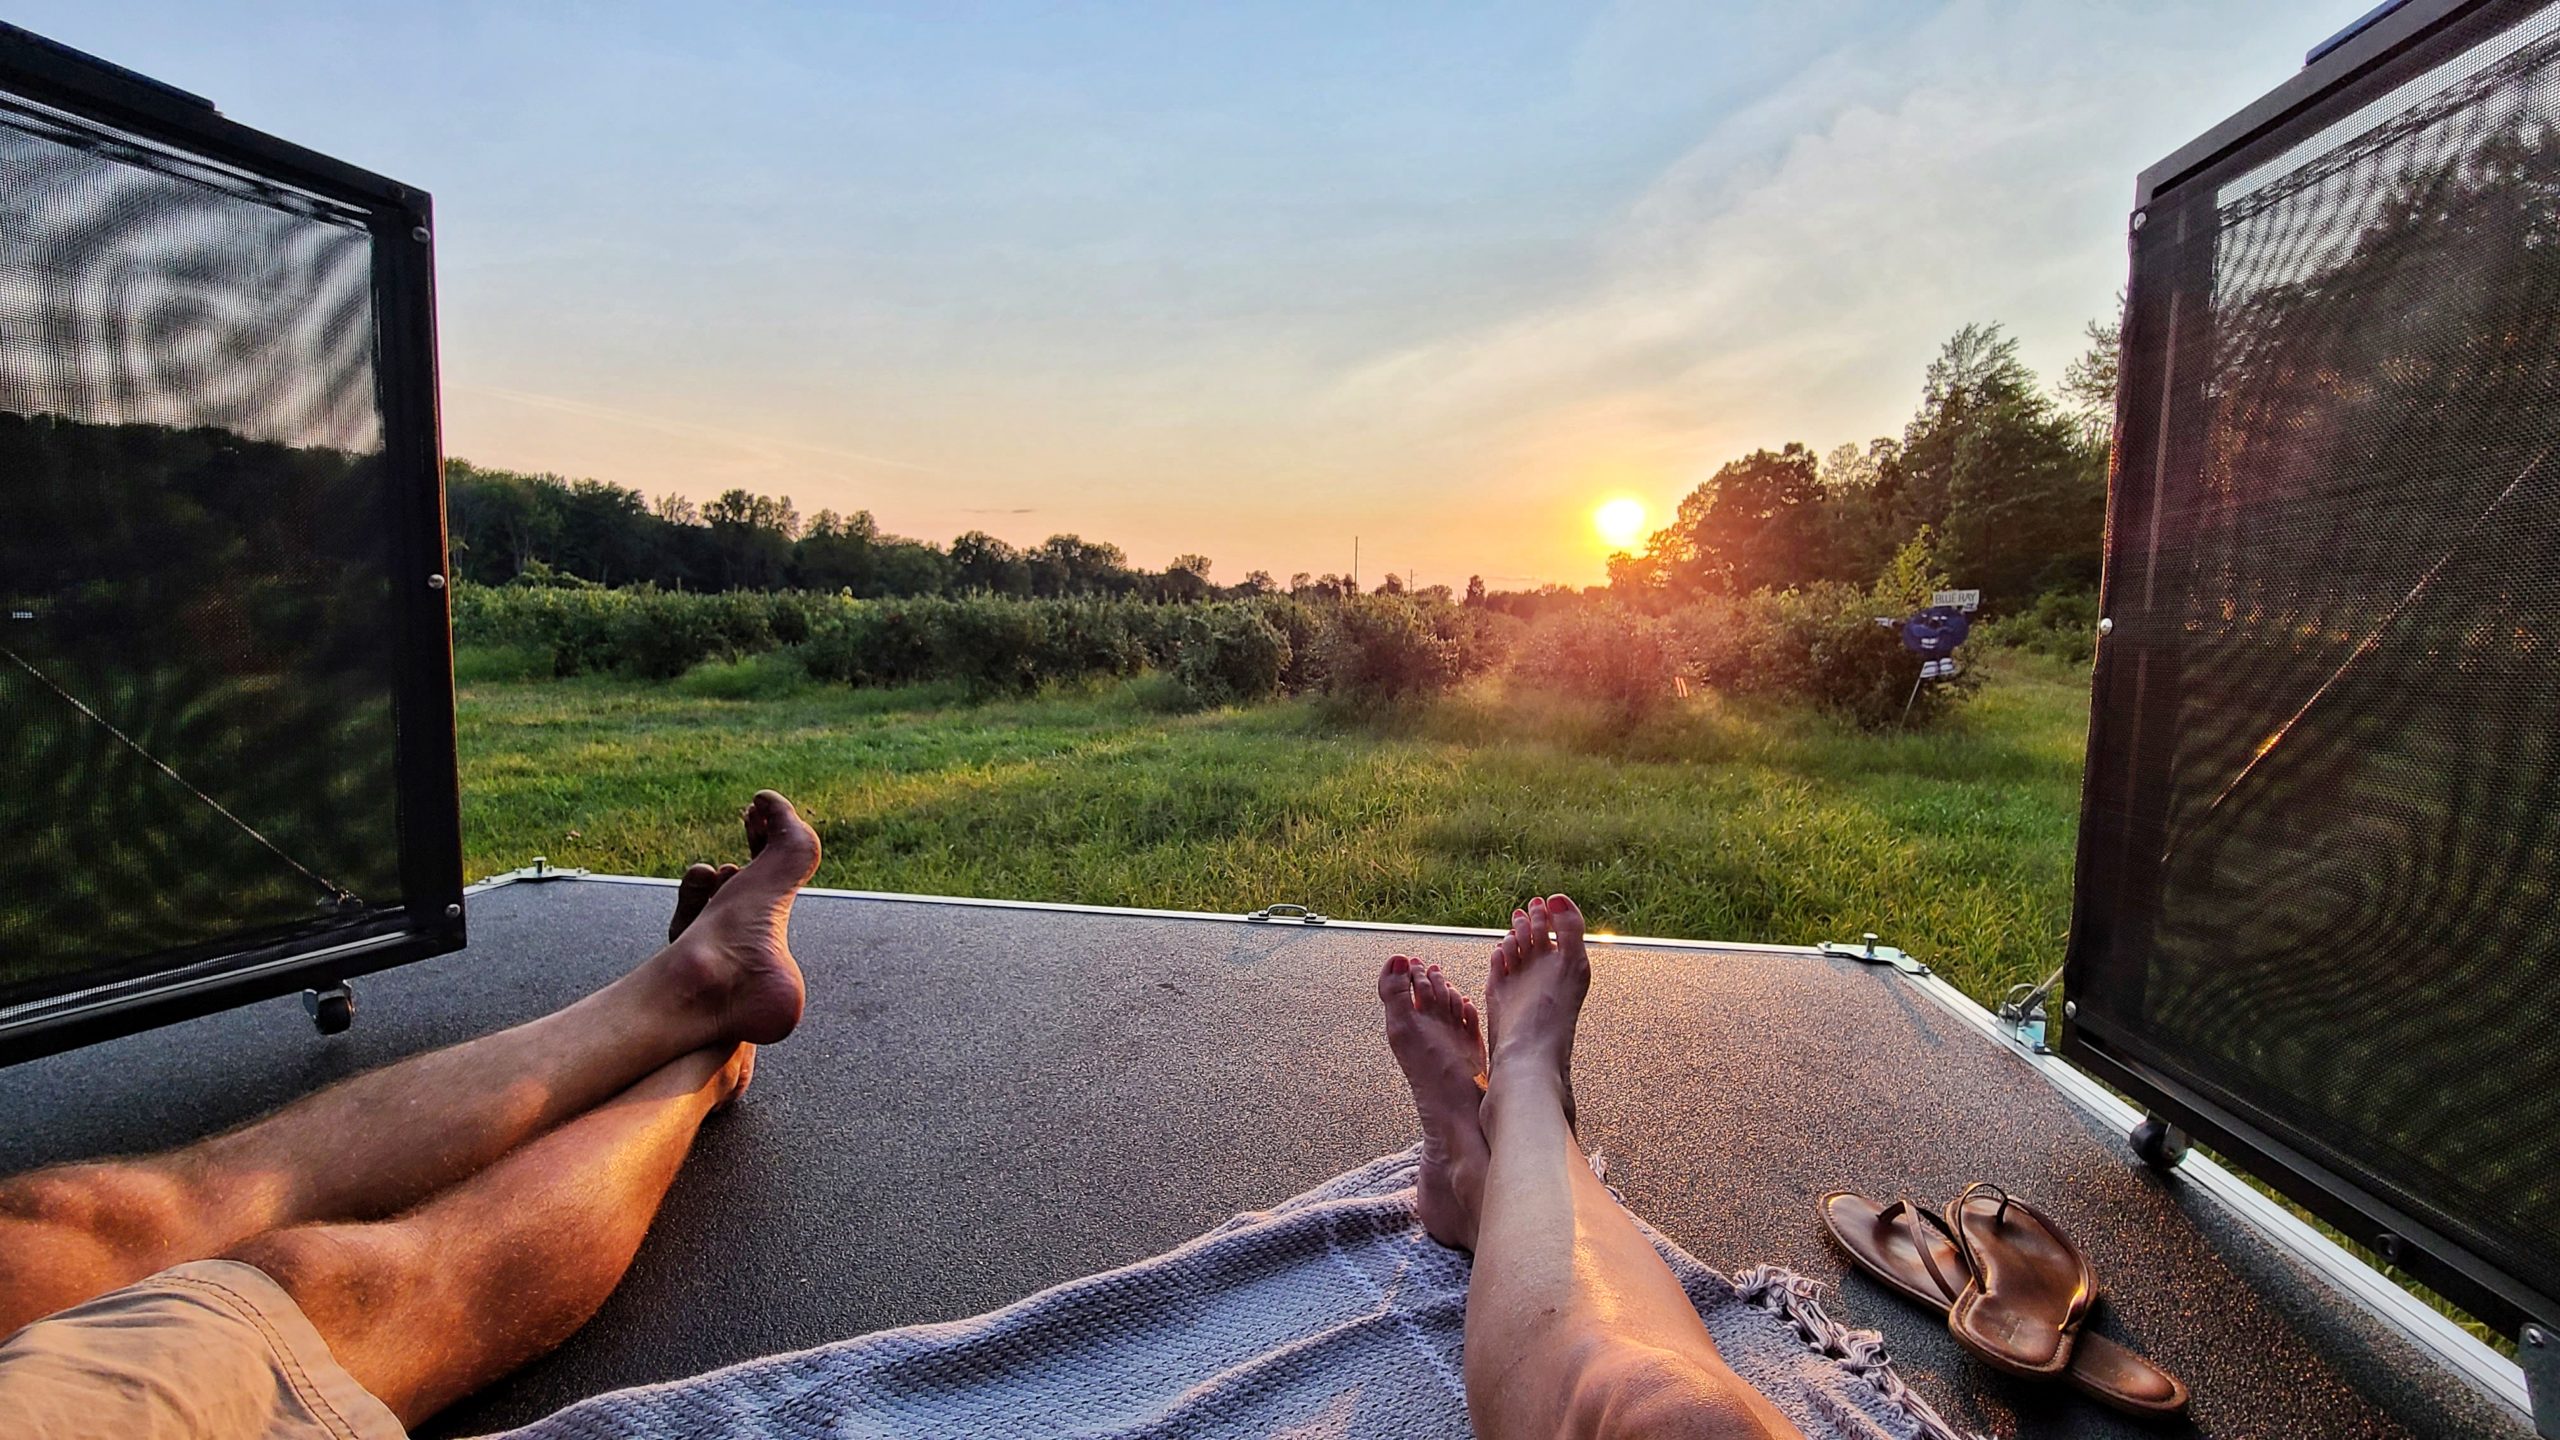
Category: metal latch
<point>1870,953</point>
<point>2022,1013</point>
<point>1299,913</point>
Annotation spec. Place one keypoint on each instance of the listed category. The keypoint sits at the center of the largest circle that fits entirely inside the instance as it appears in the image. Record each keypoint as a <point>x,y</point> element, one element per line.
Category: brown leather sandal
<point>2027,1287</point>
<point>1908,1249</point>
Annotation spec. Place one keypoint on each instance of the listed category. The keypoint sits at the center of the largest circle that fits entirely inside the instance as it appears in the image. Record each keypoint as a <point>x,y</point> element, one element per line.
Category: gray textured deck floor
<point>983,1102</point>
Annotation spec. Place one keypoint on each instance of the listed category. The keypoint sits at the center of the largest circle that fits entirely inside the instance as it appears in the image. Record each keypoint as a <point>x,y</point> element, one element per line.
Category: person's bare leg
<point>426,1308</point>
<point>1575,1326</point>
<point>378,1143</point>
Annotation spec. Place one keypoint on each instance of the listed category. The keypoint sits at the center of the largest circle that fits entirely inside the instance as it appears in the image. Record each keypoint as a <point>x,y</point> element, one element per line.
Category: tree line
<point>506,527</point>
<point>2003,483</point>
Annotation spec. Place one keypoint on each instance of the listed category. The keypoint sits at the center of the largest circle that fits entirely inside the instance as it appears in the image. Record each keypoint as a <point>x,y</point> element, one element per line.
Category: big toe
<point>1395,982</point>
<point>783,844</point>
<point>1566,919</point>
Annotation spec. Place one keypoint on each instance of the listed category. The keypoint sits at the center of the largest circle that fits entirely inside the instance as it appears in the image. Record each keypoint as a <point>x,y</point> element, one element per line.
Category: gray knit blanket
<point>1331,1315</point>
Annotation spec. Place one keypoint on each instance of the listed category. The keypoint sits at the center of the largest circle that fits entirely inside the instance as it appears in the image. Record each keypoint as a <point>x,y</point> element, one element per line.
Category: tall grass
<point>1738,819</point>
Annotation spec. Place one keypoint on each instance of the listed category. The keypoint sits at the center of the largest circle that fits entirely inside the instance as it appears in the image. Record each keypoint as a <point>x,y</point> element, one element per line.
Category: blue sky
<point>1241,279</point>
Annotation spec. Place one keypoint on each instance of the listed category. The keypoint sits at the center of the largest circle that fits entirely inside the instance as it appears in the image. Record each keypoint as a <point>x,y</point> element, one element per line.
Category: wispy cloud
<point>762,447</point>
<point>1787,277</point>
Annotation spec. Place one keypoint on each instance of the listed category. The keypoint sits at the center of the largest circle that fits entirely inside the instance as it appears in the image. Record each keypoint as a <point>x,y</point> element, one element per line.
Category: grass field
<point>1721,820</point>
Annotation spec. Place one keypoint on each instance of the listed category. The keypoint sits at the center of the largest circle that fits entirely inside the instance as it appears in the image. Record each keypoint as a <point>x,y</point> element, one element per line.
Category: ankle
<point>1523,1089</point>
<point>675,995</point>
<point>1534,1067</point>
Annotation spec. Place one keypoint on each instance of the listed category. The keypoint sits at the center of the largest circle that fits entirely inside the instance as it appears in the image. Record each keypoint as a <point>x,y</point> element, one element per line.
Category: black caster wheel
<point>2158,1144</point>
<point>331,1010</point>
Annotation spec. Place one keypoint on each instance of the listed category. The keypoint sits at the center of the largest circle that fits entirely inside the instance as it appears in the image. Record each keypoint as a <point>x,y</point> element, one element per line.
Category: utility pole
<point>1355,564</point>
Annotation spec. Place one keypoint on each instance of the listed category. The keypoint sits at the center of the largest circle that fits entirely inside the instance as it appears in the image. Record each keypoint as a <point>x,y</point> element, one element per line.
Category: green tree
<point>911,567</point>
<point>981,562</point>
<point>499,521</point>
<point>1185,580</point>
<point>1995,468</point>
<point>751,538</point>
<point>1072,565</point>
<point>835,553</point>
<point>1758,522</point>
<point>2088,386</point>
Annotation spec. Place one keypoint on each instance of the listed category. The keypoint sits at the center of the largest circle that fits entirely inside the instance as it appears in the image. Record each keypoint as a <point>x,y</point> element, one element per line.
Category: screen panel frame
<point>399,221</point>
<point>2129,689</point>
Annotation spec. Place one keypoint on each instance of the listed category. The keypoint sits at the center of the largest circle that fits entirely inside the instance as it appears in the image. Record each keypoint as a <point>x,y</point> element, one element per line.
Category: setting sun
<point>1620,521</point>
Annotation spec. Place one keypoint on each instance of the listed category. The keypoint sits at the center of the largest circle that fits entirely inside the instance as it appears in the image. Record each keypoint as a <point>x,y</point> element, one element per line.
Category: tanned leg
<point>424,1309</point>
<point>381,1142</point>
<point>1575,1326</point>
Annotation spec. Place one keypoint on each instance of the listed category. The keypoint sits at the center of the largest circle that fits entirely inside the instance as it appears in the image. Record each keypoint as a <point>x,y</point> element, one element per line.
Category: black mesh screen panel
<point>200,647</point>
<point>2323,823</point>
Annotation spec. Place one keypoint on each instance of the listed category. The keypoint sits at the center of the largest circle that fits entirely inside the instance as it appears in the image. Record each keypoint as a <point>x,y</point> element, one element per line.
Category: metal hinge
<point>1870,953</point>
<point>1298,913</point>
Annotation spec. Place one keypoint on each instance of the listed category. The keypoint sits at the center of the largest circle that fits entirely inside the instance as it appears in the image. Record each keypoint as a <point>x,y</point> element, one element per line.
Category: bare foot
<point>729,956</point>
<point>693,891</point>
<point>1541,973</point>
<point>1438,1040</point>
<point>736,1075</point>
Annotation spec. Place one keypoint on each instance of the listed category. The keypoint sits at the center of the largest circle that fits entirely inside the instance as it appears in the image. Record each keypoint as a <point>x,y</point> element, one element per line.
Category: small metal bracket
<point>1868,952</point>
<point>540,869</point>
<point>2538,1355</point>
<point>1298,913</point>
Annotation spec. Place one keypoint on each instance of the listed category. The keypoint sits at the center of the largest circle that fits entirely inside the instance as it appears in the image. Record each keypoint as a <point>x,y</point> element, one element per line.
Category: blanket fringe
<point>1798,1300</point>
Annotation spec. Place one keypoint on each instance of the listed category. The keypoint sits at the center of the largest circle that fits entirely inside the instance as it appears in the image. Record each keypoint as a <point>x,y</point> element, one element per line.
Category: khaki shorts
<point>213,1350</point>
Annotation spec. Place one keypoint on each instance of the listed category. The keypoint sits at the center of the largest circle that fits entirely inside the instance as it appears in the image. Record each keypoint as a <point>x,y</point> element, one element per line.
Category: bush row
<point>1362,652</point>
<point>1366,649</point>
<point>992,644</point>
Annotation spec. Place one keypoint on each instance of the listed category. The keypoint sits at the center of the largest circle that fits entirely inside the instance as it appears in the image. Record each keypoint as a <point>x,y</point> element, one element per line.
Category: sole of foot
<point>1437,1036</point>
<point>729,951</point>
